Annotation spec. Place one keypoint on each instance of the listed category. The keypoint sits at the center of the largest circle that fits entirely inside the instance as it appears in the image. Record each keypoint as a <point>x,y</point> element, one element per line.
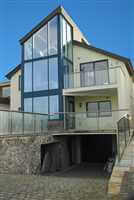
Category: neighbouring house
<point>15,88</point>
<point>5,95</point>
<point>84,90</point>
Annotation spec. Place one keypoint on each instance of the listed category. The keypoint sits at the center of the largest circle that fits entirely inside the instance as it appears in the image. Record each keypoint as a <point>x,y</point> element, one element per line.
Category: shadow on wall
<point>54,157</point>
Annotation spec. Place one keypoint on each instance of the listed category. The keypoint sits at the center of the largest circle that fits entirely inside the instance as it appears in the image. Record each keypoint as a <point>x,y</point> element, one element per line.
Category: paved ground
<point>81,183</point>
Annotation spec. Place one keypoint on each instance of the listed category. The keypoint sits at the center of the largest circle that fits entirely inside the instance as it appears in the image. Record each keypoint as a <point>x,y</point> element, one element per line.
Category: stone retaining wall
<point>22,154</point>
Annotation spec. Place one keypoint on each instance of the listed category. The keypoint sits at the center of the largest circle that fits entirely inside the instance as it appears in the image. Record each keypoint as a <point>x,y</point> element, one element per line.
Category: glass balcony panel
<point>90,78</point>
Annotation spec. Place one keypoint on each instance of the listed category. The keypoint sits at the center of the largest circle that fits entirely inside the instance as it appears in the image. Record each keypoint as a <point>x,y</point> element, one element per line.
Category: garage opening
<point>92,148</point>
<point>98,148</point>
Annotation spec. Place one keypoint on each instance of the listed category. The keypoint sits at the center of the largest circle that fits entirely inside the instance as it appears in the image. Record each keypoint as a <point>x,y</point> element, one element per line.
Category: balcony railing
<point>22,123</point>
<point>89,122</point>
<point>89,78</point>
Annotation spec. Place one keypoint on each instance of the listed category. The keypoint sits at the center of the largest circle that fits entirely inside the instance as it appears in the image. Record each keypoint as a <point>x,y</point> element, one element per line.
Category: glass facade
<point>40,43</point>
<point>28,104</point>
<point>40,75</point>
<point>53,73</point>
<point>40,105</point>
<point>54,107</point>
<point>28,77</point>
<point>52,36</point>
<point>47,55</point>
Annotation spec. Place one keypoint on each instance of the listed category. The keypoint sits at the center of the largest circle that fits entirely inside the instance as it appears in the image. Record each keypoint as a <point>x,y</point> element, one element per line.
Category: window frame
<point>99,111</point>
<point>94,71</point>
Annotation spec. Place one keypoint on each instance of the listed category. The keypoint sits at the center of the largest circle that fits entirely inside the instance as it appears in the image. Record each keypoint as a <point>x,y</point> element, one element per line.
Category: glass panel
<point>28,123</point>
<point>17,125</point>
<point>69,42</point>
<point>53,73</point>
<point>87,75</point>
<point>6,91</point>
<point>54,106</point>
<point>92,109</point>
<point>40,75</point>
<point>105,108</point>
<point>52,36</point>
<point>28,104</point>
<point>101,73</point>
<point>64,37</point>
<point>101,65</point>
<point>40,43</point>
<point>28,77</point>
<point>28,49</point>
<point>40,105</point>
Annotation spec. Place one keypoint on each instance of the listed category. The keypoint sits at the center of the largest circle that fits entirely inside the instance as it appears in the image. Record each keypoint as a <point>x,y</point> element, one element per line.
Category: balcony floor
<point>82,132</point>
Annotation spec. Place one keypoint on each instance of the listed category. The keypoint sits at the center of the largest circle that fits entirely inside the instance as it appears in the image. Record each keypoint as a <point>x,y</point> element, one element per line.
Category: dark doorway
<point>96,148</point>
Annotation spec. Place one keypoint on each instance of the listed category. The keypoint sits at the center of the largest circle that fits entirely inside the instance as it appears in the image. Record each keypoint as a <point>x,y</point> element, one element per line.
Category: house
<point>84,90</point>
<point>14,76</point>
<point>5,95</point>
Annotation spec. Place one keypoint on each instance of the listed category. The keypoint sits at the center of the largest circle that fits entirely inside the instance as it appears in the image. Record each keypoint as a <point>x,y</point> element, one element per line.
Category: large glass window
<point>40,75</point>
<point>52,36</point>
<point>53,73</point>
<point>28,104</point>
<point>69,42</point>
<point>99,109</point>
<point>66,39</point>
<point>54,106</point>
<point>28,49</point>
<point>28,77</point>
<point>40,43</point>
<point>94,73</point>
<point>40,105</point>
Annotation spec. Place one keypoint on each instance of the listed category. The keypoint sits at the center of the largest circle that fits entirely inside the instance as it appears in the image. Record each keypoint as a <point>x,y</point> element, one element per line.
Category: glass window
<point>52,36</point>
<point>40,75</point>
<point>69,42</point>
<point>28,49</point>
<point>54,107</point>
<point>19,82</point>
<point>28,77</point>
<point>40,105</point>
<point>53,73</point>
<point>64,37</point>
<point>6,91</point>
<point>105,108</point>
<point>101,73</point>
<point>87,74</point>
<point>92,109</point>
<point>28,104</point>
<point>40,43</point>
<point>101,109</point>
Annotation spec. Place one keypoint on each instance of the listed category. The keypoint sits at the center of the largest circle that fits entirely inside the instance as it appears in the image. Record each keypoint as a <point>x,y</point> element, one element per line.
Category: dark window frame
<point>19,83</point>
<point>99,113</point>
<point>94,71</point>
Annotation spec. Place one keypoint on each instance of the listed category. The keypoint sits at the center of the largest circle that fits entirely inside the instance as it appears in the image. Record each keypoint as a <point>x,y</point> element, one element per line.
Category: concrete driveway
<point>83,182</point>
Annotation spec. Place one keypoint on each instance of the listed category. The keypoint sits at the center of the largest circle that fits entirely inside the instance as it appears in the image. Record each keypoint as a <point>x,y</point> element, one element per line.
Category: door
<point>71,113</point>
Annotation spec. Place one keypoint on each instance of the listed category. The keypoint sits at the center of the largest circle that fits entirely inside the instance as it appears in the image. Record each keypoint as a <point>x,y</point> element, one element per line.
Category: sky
<point>107,24</point>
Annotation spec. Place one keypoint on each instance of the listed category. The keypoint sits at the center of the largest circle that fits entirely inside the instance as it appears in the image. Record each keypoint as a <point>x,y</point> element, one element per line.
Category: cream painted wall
<point>119,74</point>
<point>83,122</point>
<point>15,93</point>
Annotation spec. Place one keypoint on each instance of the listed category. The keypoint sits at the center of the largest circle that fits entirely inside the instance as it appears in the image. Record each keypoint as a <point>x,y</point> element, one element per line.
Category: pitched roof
<point>58,10</point>
<point>13,71</point>
<point>127,61</point>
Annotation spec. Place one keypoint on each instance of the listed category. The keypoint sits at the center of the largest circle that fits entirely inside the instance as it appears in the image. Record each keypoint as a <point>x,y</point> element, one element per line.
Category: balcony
<point>90,81</point>
<point>88,122</point>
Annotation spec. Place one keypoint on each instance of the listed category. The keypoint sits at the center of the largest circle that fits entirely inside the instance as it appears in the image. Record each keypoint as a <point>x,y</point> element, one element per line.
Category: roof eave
<point>127,61</point>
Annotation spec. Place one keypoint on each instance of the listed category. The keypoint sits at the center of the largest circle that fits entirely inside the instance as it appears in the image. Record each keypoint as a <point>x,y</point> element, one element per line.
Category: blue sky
<point>107,24</point>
